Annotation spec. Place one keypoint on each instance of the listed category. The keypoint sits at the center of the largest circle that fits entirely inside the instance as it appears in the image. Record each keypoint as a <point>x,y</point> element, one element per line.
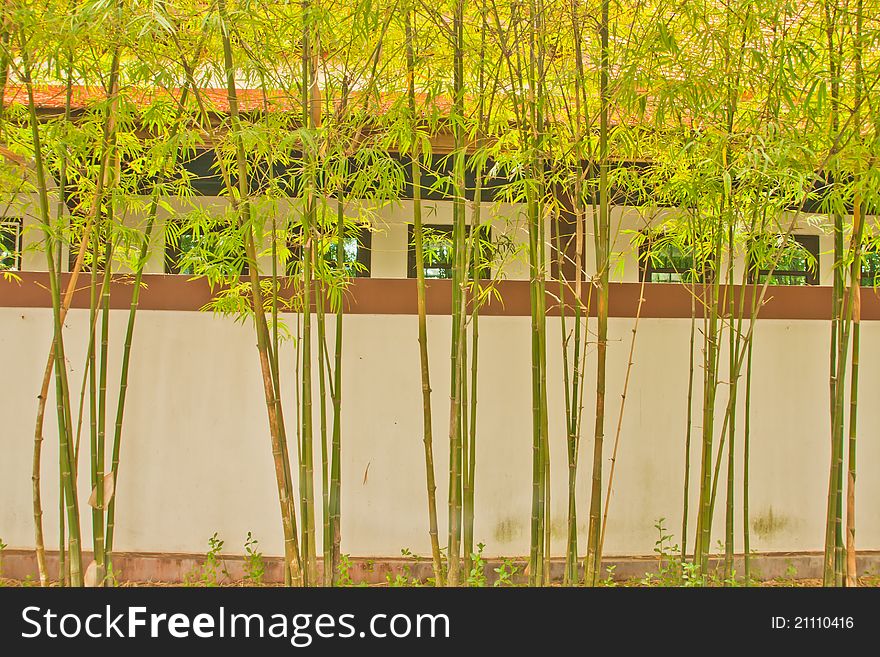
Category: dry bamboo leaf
<point>109,487</point>
<point>91,576</point>
<point>109,490</point>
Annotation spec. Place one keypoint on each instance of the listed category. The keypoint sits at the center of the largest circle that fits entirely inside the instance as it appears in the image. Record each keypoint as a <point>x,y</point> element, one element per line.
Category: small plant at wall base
<point>212,568</point>
<point>477,575</point>
<point>254,566</point>
<point>506,573</point>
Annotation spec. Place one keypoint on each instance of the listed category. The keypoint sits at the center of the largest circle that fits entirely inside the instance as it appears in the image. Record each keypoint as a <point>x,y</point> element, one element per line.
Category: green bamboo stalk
<point>418,239</point>
<point>274,354</point>
<point>336,446</point>
<point>852,576</point>
<point>40,549</point>
<point>539,134</point>
<point>833,507</point>
<point>747,550</point>
<point>593,562</point>
<point>459,296</point>
<point>92,366</point>
<point>99,458</point>
<point>527,91</point>
<point>469,485</point>
<point>714,336</point>
<point>629,364</point>
<point>733,387</point>
<point>710,387</point>
<point>276,420</point>
<point>688,431</point>
<point>100,408</point>
<point>50,361</point>
<point>851,565</point>
<point>570,574</point>
<point>62,399</point>
<point>580,309</point>
<point>469,402</point>
<point>309,86</point>
<point>747,421</point>
<point>143,254</point>
<point>326,542</point>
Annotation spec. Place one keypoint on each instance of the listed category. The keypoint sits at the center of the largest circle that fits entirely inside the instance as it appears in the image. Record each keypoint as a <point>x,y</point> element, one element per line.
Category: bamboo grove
<point>723,125</point>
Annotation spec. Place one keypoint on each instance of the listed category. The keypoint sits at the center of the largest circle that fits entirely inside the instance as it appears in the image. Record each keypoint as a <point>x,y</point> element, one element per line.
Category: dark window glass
<point>92,251</point>
<point>438,250</point>
<point>870,267</point>
<point>357,254</point>
<point>564,242</point>
<point>10,244</point>
<point>217,246</point>
<point>666,259</point>
<point>798,264</point>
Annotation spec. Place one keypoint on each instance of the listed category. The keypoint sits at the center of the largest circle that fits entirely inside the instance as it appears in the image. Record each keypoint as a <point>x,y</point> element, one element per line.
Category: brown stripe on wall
<point>397,296</point>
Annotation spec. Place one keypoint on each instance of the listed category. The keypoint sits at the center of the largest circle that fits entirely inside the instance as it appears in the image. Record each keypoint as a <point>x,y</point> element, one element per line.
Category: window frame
<point>364,238</point>
<point>563,242</point>
<point>171,254</point>
<point>483,272</point>
<point>874,271</point>
<point>17,241</point>
<point>647,268</point>
<point>73,252</point>
<point>808,242</point>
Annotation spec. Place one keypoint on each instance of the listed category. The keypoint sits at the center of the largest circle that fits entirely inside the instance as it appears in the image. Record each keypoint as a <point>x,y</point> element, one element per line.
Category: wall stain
<point>768,524</point>
<point>508,530</point>
<point>511,529</point>
<point>559,528</point>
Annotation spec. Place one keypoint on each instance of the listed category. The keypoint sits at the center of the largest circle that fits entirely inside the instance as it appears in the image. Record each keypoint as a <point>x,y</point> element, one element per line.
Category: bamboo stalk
<point>307,483</point>
<point>688,431</point>
<point>831,569</point>
<point>62,398</point>
<point>629,364</point>
<point>418,239</point>
<point>459,295</point>
<point>336,446</point>
<point>143,254</point>
<point>747,552</point>
<point>65,304</point>
<point>852,576</point>
<point>276,419</point>
<point>474,260</point>
<point>732,387</point>
<point>592,565</point>
<point>326,542</point>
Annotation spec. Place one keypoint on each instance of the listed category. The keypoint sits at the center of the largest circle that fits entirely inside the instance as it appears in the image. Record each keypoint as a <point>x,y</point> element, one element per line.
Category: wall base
<point>175,568</point>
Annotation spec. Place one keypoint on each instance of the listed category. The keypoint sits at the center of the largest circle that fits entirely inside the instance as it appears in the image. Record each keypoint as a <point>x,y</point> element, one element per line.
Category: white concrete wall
<point>196,456</point>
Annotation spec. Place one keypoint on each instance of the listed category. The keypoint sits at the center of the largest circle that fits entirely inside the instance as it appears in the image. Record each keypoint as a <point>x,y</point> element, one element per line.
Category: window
<point>870,267</point>
<point>218,247</point>
<point>563,235</point>
<point>355,245</point>
<point>89,256</point>
<point>668,258</point>
<point>438,249</point>
<point>10,244</point>
<point>798,264</point>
